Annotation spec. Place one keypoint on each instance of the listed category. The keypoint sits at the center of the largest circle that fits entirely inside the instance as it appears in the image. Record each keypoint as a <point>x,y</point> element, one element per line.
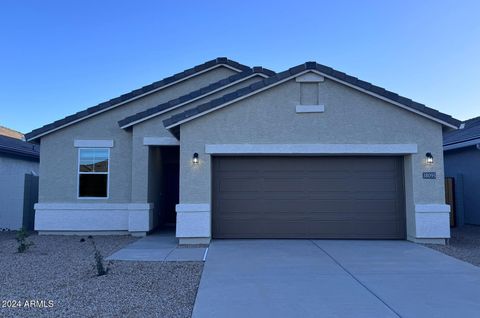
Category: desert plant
<point>99,266</point>
<point>23,243</point>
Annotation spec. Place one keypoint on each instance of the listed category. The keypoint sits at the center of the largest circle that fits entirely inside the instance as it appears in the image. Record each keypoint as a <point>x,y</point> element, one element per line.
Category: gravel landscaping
<point>464,244</point>
<point>60,269</point>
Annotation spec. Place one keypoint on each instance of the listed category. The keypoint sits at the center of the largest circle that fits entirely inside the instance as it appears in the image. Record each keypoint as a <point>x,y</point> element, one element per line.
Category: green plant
<point>99,264</point>
<point>23,243</point>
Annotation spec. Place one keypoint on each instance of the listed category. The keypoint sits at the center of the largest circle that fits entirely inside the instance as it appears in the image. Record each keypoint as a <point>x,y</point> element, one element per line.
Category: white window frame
<point>79,173</point>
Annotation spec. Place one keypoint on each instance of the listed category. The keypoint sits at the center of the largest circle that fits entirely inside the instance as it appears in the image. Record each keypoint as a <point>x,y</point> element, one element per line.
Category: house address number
<point>429,175</point>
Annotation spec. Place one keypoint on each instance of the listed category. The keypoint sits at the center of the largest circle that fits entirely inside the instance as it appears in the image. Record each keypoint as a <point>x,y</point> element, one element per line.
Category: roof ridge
<point>474,119</point>
<point>135,93</point>
<point>427,111</point>
<point>124,123</point>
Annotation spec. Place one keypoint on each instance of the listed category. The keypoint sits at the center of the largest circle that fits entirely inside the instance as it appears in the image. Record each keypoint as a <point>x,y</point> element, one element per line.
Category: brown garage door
<point>308,197</point>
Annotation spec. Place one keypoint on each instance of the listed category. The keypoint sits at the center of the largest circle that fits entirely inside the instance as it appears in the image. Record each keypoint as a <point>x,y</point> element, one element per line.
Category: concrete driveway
<point>304,278</point>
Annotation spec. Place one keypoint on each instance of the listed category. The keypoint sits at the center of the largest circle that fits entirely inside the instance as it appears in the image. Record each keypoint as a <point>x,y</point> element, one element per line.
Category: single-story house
<point>228,151</point>
<point>462,163</point>
<point>19,163</point>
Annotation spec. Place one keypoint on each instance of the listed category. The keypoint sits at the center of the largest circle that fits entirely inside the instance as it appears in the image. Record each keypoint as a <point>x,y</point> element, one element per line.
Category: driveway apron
<point>330,278</point>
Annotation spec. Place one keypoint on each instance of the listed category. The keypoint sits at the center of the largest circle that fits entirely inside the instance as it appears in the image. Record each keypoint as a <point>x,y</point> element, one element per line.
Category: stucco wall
<point>154,128</point>
<point>350,117</point>
<point>58,164</point>
<point>12,178</point>
<point>464,163</point>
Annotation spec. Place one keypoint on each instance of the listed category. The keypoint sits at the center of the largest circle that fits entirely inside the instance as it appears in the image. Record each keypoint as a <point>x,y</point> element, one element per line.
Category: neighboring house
<point>4,131</point>
<point>310,152</point>
<point>462,163</point>
<point>17,158</point>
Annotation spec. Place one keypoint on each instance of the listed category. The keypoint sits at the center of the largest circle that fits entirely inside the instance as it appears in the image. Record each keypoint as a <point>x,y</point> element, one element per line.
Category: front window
<point>93,169</point>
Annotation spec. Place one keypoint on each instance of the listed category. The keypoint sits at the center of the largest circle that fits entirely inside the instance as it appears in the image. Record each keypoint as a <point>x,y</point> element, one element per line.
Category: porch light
<point>195,158</point>
<point>429,159</point>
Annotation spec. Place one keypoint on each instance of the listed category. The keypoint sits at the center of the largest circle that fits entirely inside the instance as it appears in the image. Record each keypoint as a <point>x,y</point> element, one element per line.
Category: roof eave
<point>453,125</point>
<point>461,144</point>
<point>222,62</point>
<point>128,124</point>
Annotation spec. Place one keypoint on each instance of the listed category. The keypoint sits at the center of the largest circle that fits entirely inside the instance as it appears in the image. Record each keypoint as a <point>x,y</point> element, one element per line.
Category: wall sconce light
<point>429,159</point>
<point>195,158</point>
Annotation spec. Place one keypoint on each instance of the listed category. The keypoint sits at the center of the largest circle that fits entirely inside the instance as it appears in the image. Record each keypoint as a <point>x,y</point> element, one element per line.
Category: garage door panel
<point>282,184</point>
<point>292,207</point>
<point>374,185</point>
<point>327,175</point>
<point>308,197</point>
<point>328,185</point>
<point>240,185</point>
<point>332,230</point>
<point>260,229</point>
<point>377,195</point>
<point>356,230</point>
<point>388,175</point>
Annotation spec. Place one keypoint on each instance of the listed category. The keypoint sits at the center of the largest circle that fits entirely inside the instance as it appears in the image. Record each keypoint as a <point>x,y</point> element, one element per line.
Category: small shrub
<point>82,240</point>
<point>23,243</point>
<point>99,264</point>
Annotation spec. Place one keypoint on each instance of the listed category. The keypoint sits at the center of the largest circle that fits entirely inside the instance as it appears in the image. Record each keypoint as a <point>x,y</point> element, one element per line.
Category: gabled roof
<point>192,96</point>
<point>463,137</point>
<point>20,148</point>
<point>326,71</point>
<point>148,89</point>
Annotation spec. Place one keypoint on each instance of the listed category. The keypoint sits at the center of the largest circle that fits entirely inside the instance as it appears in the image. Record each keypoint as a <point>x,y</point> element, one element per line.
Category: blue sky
<point>59,57</point>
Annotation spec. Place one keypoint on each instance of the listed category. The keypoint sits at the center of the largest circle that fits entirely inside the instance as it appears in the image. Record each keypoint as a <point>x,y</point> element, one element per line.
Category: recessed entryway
<point>163,185</point>
<point>349,197</point>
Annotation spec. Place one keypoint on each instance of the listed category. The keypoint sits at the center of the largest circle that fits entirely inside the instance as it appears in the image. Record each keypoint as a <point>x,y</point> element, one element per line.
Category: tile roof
<point>162,108</point>
<point>420,108</point>
<point>148,88</point>
<point>17,147</point>
<point>471,131</point>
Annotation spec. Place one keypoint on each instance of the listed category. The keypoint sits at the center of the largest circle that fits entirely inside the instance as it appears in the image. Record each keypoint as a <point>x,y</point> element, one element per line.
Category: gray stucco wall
<point>154,128</point>
<point>464,163</point>
<point>350,117</point>
<point>58,164</point>
<point>12,178</point>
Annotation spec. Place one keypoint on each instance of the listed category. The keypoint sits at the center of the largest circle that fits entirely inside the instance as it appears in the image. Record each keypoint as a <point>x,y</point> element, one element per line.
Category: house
<point>462,163</point>
<point>228,151</point>
<point>19,163</point>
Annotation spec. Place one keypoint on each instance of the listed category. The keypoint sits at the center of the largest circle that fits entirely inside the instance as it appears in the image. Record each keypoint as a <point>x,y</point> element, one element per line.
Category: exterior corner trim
<point>293,149</point>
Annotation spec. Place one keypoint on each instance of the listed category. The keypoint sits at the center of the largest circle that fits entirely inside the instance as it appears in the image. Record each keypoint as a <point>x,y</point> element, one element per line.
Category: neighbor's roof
<point>210,89</point>
<point>469,132</point>
<point>17,147</point>
<point>4,131</point>
<point>421,109</point>
<point>134,94</point>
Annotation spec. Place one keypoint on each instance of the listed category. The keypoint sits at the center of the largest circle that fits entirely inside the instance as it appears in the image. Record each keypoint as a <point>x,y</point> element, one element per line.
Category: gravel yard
<point>61,269</point>
<point>464,244</point>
